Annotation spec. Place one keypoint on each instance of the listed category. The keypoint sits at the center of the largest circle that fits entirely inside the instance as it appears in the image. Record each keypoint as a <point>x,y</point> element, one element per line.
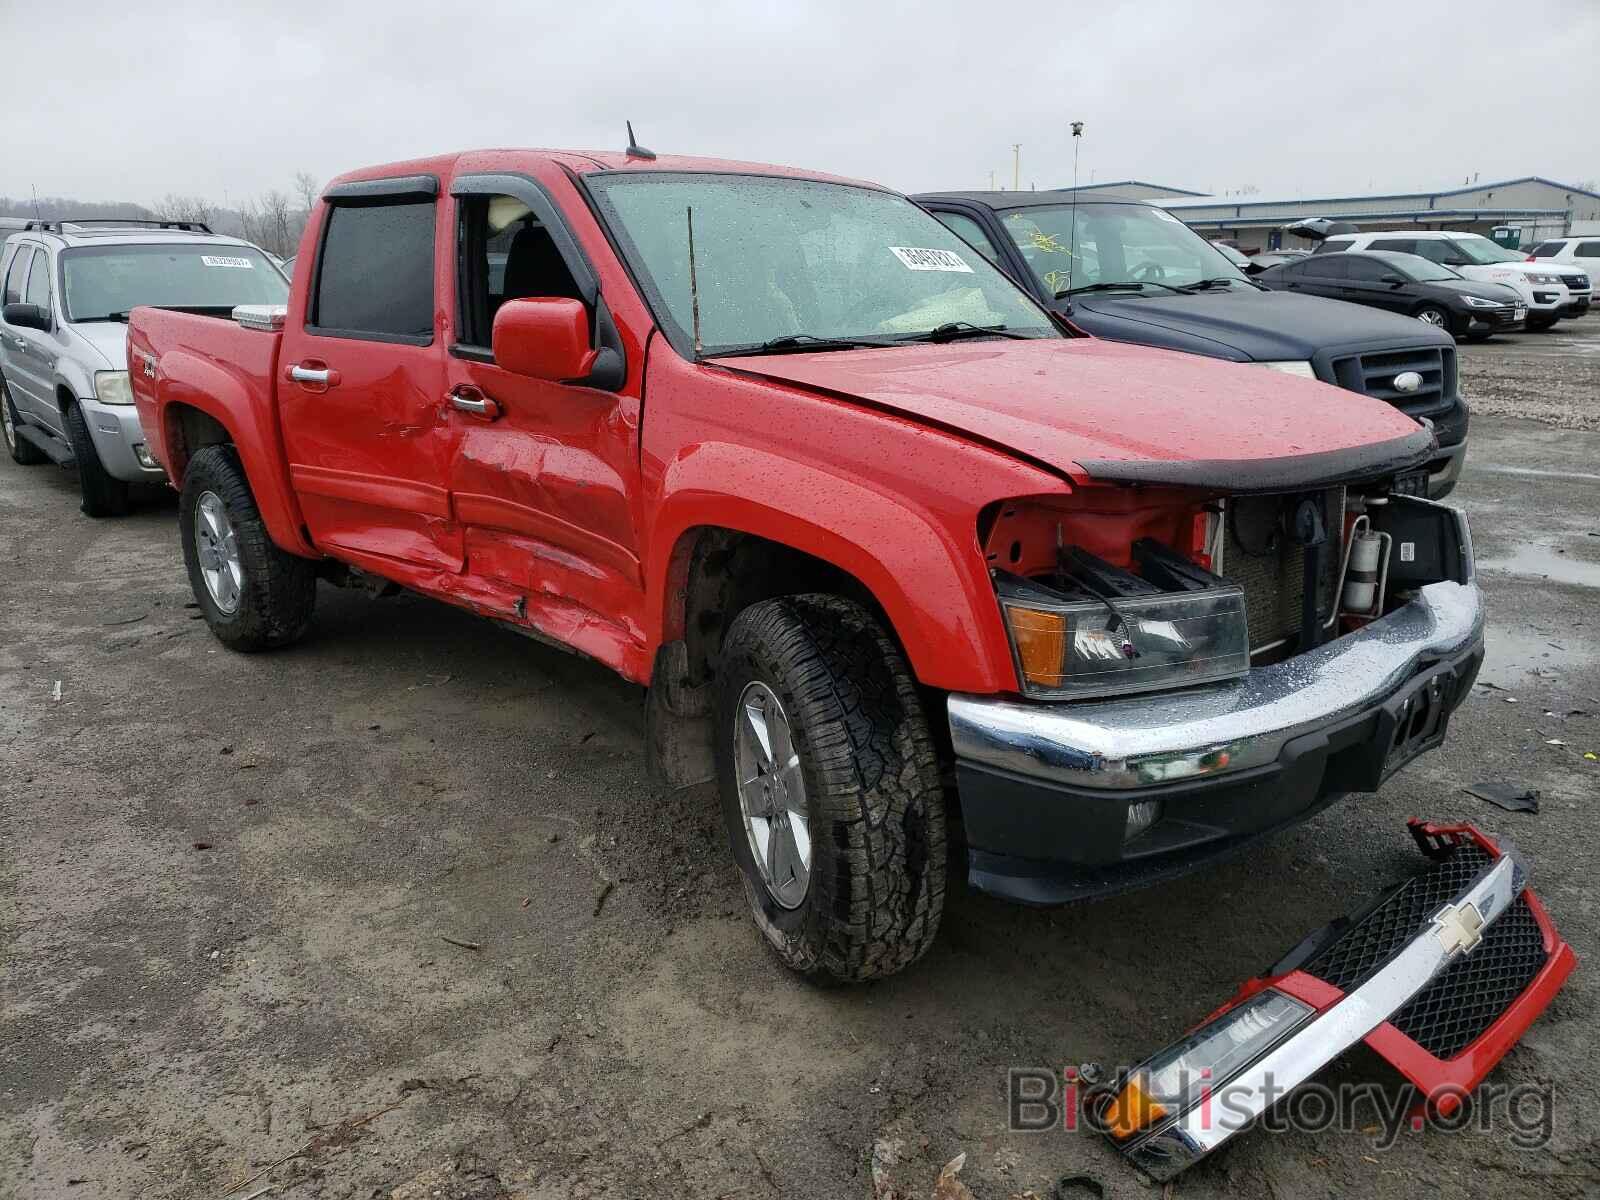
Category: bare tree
<point>172,207</point>
<point>306,189</point>
<point>271,222</point>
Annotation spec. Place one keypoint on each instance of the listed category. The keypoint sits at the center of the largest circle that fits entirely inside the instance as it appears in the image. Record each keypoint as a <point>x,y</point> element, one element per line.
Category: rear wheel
<point>104,495</point>
<point>830,788</point>
<point>22,450</point>
<point>254,596</point>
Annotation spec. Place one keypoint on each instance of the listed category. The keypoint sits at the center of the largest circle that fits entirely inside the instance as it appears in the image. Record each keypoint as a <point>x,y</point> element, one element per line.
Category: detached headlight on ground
<point>1187,1072</point>
<point>1070,649</point>
<point>1291,367</point>
<point>112,387</point>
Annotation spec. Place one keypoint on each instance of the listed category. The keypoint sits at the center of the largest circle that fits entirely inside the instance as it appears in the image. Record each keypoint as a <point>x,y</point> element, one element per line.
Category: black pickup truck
<point>1129,271</point>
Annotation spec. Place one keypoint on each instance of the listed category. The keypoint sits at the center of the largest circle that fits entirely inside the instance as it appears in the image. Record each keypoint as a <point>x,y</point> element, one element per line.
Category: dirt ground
<point>228,883</point>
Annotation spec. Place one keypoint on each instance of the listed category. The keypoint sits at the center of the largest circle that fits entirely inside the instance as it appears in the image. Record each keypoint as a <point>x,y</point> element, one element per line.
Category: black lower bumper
<point>1046,843</point>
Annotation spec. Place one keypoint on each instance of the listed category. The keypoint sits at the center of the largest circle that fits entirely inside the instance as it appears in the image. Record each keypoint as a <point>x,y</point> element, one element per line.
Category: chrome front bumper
<point>1208,732</point>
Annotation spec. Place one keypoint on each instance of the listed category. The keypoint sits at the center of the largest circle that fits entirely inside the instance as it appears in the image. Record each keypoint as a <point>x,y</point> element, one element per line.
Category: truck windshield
<point>1128,244</point>
<point>101,282</point>
<point>797,262</point>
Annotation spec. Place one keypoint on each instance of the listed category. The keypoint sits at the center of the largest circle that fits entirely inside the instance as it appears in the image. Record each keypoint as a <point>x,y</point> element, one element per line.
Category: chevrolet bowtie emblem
<point>1459,928</point>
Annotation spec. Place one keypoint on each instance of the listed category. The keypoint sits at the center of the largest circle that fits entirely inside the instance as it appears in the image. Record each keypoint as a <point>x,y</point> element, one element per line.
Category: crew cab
<point>907,565</point>
<point>1126,269</point>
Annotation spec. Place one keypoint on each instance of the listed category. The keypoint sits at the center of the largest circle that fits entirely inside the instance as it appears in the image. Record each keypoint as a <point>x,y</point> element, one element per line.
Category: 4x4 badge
<point>150,366</point>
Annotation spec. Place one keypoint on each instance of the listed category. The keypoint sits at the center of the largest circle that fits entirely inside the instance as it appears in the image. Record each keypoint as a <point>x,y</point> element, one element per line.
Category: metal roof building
<point>1536,206</point>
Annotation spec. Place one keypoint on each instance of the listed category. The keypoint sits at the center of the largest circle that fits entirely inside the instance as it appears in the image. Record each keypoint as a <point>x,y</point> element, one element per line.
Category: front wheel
<point>830,789</point>
<point>254,596</point>
<point>1432,314</point>
<point>104,495</point>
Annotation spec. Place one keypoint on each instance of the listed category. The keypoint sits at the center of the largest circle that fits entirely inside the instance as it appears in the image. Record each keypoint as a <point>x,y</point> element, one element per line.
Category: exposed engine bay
<point>1119,590</point>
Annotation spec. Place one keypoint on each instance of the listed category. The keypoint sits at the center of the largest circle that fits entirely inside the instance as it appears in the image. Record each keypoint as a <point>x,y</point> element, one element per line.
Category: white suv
<point>1580,252</point>
<point>1552,290</point>
<point>68,286</point>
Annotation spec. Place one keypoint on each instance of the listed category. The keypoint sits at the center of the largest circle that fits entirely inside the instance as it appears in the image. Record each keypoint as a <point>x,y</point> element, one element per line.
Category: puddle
<point>1543,562</point>
<point>1513,655</point>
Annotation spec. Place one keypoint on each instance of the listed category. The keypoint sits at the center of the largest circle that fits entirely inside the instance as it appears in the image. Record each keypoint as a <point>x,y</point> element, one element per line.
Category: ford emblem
<point>1407,381</point>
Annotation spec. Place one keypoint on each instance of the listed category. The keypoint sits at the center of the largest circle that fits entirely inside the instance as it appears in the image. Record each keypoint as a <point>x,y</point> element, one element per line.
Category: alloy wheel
<point>772,795</point>
<point>218,547</point>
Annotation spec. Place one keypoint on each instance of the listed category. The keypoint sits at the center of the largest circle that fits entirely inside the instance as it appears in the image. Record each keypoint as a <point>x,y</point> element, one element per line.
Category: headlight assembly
<point>1298,367</point>
<point>1067,648</point>
<point>1544,279</point>
<point>1481,302</point>
<point>112,387</point>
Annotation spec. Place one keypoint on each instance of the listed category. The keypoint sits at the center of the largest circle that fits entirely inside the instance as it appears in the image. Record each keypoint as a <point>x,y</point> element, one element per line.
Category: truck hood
<point>1259,326</point>
<point>1092,409</point>
<point>109,339</point>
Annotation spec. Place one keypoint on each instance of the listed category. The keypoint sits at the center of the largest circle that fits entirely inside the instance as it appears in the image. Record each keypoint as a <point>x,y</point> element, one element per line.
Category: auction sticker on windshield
<point>225,260</point>
<point>921,258</point>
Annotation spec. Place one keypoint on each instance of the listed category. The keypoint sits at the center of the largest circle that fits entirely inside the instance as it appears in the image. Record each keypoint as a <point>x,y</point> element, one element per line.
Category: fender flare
<point>204,384</point>
<point>931,588</point>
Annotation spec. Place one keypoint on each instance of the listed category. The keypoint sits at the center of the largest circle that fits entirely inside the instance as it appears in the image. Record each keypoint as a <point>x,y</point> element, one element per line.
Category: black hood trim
<point>1297,472</point>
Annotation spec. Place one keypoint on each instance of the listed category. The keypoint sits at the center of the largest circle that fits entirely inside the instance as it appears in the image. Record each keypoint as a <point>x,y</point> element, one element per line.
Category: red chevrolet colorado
<point>908,565</point>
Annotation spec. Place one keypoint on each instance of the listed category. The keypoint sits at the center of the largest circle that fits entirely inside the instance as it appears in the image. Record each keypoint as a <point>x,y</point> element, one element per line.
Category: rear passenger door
<point>361,380</point>
<point>1323,275</point>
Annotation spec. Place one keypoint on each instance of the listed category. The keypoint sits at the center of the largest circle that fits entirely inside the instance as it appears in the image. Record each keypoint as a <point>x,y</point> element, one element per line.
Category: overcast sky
<point>133,100</point>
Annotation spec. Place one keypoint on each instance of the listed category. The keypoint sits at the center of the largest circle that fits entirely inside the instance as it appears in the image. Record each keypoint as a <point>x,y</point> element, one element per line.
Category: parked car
<point>1407,284</point>
<point>68,287</point>
<point>1582,253</point>
<point>1128,270</point>
<point>1550,290</point>
<point>859,513</point>
<point>1233,254</point>
<point>1272,258</point>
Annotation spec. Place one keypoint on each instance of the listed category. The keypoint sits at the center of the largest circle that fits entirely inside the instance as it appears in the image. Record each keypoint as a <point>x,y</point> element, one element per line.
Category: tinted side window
<point>15,275</point>
<point>1332,244</point>
<point>375,277</point>
<point>39,281</point>
<point>1370,270</point>
<point>1587,250</point>
<point>1548,249</point>
<point>1329,266</point>
<point>965,227</point>
<point>1398,245</point>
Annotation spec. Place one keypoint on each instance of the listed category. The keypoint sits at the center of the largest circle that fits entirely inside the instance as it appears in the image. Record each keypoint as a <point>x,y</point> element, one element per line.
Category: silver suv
<point>68,288</point>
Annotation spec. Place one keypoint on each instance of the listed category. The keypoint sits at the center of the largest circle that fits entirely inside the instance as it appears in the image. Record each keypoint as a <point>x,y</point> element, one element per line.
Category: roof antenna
<point>634,149</point>
<point>694,284</point>
<point>1072,238</point>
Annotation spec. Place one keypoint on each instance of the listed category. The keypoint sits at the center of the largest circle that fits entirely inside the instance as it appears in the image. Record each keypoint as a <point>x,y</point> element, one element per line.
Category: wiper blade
<point>1205,285</point>
<point>1118,285</point>
<point>794,343</point>
<point>112,316</point>
<point>951,330</point>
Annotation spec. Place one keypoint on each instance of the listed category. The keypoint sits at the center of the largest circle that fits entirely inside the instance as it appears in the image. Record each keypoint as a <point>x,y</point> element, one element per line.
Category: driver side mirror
<point>1394,279</point>
<point>27,316</point>
<point>545,337</point>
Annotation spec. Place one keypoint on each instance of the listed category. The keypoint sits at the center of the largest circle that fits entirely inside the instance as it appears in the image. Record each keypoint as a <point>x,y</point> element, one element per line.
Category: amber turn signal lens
<point>1132,1111</point>
<point>1041,639</point>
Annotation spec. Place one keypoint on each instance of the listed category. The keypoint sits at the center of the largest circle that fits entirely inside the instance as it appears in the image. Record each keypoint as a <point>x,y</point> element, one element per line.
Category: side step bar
<point>60,453</point>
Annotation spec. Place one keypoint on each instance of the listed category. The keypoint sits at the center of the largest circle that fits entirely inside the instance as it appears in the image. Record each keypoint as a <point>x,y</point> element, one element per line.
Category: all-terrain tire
<point>22,450</point>
<point>104,495</point>
<point>278,590</point>
<point>872,787</point>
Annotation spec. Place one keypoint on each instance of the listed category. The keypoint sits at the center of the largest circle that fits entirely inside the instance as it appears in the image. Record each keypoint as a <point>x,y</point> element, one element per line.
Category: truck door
<point>361,379</point>
<point>543,475</point>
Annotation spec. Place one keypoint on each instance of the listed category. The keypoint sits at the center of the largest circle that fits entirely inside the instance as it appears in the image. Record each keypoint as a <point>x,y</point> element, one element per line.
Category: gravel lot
<point>227,883</point>
<point>1551,376</point>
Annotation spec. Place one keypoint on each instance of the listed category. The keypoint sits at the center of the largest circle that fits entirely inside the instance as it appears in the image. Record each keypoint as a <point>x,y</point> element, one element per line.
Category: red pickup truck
<point>908,565</point>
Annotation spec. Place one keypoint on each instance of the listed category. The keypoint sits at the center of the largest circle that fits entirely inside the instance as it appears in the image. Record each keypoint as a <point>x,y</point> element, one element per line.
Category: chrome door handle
<point>306,375</point>
<point>470,400</point>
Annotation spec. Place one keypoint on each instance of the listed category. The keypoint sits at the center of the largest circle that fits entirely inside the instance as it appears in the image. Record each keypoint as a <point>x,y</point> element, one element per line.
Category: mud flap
<point>677,723</point>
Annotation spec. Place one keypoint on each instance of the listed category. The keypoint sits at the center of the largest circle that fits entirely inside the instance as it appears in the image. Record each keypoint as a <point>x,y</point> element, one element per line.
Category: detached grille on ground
<point>1456,1008</point>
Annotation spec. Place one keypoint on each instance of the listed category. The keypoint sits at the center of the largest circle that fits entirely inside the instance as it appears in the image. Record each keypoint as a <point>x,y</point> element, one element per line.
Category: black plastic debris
<point>1508,796</point>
